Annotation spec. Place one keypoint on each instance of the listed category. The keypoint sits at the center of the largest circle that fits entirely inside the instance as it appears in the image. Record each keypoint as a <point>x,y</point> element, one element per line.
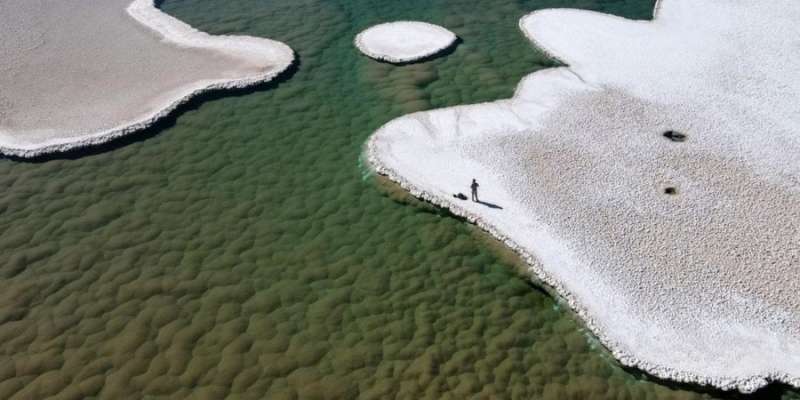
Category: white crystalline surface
<point>404,41</point>
<point>79,72</point>
<point>700,286</point>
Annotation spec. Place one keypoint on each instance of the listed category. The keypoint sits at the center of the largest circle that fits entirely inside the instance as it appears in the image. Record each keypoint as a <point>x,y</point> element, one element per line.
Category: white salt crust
<point>404,41</point>
<point>265,59</point>
<point>699,287</point>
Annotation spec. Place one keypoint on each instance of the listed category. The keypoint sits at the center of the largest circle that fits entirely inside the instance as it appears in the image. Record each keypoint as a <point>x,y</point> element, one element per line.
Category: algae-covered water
<point>241,250</point>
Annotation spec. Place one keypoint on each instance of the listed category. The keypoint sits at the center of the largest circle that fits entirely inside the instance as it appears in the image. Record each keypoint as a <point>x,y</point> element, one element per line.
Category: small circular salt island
<point>404,41</point>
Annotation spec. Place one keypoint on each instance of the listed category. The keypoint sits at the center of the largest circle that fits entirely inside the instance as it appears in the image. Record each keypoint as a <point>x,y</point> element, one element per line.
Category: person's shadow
<point>490,205</point>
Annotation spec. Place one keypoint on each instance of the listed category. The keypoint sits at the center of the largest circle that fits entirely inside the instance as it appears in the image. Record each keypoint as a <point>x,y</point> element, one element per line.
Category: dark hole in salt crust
<point>675,136</point>
<point>670,190</point>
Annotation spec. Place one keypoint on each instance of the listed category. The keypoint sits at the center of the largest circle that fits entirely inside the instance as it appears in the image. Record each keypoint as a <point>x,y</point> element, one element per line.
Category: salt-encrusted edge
<point>551,53</point>
<point>743,384</point>
<point>388,58</point>
<point>278,55</point>
<point>748,384</point>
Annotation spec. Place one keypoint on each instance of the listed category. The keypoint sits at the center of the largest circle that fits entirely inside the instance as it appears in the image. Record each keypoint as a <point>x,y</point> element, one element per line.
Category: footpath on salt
<point>682,254</point>
<point>404,41</point>
<point>77,75</point>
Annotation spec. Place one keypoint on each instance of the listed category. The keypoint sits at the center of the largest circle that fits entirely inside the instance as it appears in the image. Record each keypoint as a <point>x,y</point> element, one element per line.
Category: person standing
<point>474,187</point>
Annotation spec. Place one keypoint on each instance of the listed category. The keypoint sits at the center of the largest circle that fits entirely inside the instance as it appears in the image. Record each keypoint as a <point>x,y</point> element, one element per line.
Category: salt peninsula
<point>653,182</point>
<point>404,41</point>
<point>79,75</point>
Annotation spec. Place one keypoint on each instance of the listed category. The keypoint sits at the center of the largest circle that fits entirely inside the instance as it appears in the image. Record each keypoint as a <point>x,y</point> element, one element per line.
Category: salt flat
<point>77,73</point>
<point>683,257</point>
<point>404,41</point>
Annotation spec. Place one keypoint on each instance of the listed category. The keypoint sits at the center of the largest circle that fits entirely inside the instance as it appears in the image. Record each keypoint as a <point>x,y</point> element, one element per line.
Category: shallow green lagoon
<point>241,250</point>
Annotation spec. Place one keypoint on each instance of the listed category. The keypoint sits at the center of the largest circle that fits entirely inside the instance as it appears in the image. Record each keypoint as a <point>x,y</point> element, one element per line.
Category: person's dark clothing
<point>474,187</point>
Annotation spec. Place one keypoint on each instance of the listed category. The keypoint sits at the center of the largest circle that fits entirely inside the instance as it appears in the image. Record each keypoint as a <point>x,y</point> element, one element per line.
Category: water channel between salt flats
<point>239,251</point>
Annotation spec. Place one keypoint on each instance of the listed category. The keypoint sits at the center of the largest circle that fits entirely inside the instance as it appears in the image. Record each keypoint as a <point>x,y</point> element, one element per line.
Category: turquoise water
<point>241,250</point>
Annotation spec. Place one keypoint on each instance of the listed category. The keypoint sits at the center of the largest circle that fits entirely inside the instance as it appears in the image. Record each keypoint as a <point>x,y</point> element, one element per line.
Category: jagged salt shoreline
<point>745,385</point>
<point>273,57</point>
<point>403,149</point>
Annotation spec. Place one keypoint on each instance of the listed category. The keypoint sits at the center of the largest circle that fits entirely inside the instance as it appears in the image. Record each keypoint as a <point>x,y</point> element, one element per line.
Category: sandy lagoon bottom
<point>241,251</point>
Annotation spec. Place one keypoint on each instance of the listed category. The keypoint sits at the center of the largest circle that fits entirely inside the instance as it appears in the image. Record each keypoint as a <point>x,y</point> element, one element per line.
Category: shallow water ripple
<point>240,254</point>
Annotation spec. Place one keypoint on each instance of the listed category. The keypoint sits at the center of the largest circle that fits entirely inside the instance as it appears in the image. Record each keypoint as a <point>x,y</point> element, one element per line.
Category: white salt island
<point>654,182</point>
<point>75,75</point>
<point>404,41</point>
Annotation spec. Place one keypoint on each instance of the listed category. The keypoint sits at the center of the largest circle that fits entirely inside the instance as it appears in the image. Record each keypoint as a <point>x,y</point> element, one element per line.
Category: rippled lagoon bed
<point>241,249</point>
